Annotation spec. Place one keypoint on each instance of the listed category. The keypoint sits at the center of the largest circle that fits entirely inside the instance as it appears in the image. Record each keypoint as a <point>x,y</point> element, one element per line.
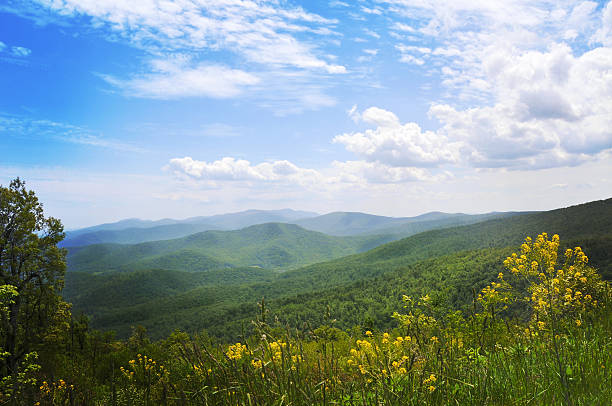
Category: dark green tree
<point>32,263</point>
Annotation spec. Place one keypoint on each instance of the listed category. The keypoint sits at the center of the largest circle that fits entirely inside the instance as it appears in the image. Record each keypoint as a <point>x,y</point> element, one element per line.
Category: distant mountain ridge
<point>268,245</point>
<point>133,231</point>
<point>456,259</point>
<point>355,223</point>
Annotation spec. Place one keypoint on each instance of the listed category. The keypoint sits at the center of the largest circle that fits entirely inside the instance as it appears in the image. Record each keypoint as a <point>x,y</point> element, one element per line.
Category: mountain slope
<point>579,223</point>
<point>133,231</point>
<point>364,287</point>
<point>270,245</point>
<point>351,223</point>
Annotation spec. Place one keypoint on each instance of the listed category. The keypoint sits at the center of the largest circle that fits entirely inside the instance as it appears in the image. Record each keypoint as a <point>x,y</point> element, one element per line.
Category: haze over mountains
<point>212,280</point>
<point>268,245</point>
<point>132,231</point>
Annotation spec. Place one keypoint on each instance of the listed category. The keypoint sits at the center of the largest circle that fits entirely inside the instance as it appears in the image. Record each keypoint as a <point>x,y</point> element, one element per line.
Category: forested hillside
<point>270,245</point>
<point>346,223</point>
<point>454,260</point>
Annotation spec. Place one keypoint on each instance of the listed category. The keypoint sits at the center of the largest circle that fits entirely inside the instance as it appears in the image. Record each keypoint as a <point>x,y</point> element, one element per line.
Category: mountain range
<point>359,288</point>
<point>133,231</point>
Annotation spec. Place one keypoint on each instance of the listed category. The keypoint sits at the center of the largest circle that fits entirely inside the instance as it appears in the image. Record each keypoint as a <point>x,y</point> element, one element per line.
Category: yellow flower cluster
<point>430,381</point>
<point>236,351</point>
<point>199,370</point>
<point>536,258</point>
<point>402,341</point>
<point>277,348</point>
<point>557,290</point>
<point>143,368</point>
<point>496,296</point>
<point>49,389</point>
<point>390,359</point>
<point>44,388</point>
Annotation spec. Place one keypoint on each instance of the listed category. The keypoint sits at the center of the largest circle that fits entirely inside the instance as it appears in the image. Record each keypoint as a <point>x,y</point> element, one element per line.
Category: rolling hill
<point>133,231</point>
<point>351,223</point>
<point>360,288</point>
<point>269,245</point>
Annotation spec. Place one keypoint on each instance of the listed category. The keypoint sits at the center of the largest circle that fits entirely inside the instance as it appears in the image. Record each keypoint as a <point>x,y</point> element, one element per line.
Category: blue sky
<point>112,109</point>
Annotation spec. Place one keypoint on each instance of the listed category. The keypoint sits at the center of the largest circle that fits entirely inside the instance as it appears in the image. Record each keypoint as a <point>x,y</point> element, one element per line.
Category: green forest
<point>509,309</point>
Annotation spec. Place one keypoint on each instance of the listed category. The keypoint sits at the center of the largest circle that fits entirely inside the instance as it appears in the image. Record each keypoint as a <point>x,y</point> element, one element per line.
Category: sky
<point>112,109</point>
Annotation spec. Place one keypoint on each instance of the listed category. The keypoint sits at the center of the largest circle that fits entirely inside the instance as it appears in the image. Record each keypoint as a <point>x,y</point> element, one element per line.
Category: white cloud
<point>221,130</point>
<point>411,59</point>
<point>232,169</point>
<point>368,55</point>
<point>548,109</point>
<point>176,81</point>
<point>337,3</point>
<point>371,33</point>
<point>411,48</point>
<point>364,173</point>
<point>285,174</point>
<point>402,27</point>
<point>267,35</point>
<point>538,89</point>
<point>20,52</point>
<point>374,10</point>
<point>408,54</point>
<point>467,32</point>
<point>396,144</point>
<point>604,33</point>
<point>551,109</point>
<point>14,51</point>
<point>380,117</point>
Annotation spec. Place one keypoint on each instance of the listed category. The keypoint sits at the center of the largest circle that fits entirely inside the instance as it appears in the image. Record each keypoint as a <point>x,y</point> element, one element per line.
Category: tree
<point>32,263</point>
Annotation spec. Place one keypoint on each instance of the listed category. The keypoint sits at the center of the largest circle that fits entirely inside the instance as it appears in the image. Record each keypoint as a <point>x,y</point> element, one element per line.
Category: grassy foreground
<point>540,334</point>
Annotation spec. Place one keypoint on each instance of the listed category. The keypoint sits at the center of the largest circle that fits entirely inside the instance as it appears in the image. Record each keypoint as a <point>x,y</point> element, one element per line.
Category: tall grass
<point>527,341</point>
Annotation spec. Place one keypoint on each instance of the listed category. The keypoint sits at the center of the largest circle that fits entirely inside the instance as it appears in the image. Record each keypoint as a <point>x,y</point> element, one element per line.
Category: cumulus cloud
<point>362,172</point>
<point>466,33</point>
<point>535,78</point>
<point>283,173</point>
<point>232,169</point>
<point>396,144</point>
<point>551,109</point>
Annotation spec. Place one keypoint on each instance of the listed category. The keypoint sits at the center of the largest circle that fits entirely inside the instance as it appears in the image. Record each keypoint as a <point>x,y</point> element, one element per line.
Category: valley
<point>213,280</point>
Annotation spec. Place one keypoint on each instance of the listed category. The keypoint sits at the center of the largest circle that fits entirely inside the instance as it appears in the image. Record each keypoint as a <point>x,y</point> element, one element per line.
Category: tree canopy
<point>32,269</point>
